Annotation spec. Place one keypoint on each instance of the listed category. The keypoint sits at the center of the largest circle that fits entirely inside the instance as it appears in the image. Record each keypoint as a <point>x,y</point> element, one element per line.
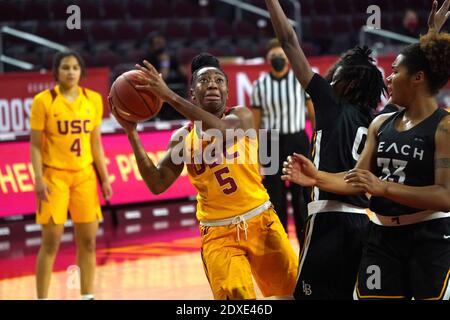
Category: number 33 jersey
<point>405,157</point>
<point>66,127</point>
<point>227,179</point>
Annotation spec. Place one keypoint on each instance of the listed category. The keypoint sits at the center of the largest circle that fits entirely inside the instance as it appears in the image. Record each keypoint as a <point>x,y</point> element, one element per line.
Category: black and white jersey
<point>282,102</point>
<point>405,157</point>
<point>339,137</point>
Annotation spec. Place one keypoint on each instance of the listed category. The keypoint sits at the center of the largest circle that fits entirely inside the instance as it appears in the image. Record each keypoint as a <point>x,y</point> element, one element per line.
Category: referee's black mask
<point>278,63</point>
<point>277,59</point>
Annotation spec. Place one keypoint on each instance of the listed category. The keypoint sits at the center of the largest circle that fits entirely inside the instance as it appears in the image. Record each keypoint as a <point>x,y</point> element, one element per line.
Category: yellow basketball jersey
<point>229,186</point>
<point>66,127</point>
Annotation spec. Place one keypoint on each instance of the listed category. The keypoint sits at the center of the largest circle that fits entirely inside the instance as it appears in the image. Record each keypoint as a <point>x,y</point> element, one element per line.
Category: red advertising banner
<point>16,174</point>
<point>242,76</point>
<point>17,90</point>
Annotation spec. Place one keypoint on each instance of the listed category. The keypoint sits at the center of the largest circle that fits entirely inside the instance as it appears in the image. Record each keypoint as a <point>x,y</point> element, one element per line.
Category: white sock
<point>87,297</point>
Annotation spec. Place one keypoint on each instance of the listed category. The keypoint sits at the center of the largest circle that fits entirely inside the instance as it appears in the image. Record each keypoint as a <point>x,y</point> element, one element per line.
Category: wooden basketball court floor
<point>167,266</point>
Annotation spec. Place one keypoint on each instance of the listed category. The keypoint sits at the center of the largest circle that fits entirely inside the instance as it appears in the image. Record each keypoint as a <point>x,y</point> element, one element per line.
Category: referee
<point>280,103</point>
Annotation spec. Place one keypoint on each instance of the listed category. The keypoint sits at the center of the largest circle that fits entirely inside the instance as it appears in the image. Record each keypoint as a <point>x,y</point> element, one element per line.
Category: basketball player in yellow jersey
<point>241,233</point>
<point>65,143</point>
<point>233,176</point>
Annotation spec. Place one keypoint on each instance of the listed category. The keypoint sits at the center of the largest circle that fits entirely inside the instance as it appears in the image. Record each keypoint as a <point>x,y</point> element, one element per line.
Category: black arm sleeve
<point>326,106</point>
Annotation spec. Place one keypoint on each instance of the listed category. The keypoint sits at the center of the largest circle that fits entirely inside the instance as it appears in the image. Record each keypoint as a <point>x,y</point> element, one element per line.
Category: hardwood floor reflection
<point>160,270</point>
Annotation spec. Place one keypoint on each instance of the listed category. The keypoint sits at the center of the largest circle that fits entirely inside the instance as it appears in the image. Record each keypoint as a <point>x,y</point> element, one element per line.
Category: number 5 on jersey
<point>227,181</point>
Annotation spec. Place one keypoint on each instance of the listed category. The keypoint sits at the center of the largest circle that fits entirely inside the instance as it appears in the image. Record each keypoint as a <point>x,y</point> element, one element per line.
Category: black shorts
<point>405,262</point>
<point>329,261</point>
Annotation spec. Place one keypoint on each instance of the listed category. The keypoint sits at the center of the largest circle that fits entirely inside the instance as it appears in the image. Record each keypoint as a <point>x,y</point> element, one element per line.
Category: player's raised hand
<point>437,18</point>
<point>300,170</point>
<point>153,81</point>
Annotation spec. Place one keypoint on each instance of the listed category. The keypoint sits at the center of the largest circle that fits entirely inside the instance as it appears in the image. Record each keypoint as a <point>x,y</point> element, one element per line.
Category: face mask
<point>412,25</point>
<point>278,63</point>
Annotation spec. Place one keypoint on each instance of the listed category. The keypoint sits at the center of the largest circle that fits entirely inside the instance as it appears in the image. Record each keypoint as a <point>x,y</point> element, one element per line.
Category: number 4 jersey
<point>227,179</point>
<point>66,127</point>
<point>405,157</point>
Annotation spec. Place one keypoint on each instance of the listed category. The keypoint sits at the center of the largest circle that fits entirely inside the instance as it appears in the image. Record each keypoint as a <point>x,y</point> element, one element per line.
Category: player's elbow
<point>156,188</point>
<point>159,191</point>
<point>445,203</point>
<point>446,206</point>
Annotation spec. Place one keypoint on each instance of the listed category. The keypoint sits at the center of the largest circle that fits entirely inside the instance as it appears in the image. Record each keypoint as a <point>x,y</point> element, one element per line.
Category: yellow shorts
<point>267,254</point>
<point>73,191</point>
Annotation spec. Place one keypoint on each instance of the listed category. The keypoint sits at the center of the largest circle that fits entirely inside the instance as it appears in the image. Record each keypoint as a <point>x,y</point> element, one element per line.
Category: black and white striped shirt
<point>283,102</point>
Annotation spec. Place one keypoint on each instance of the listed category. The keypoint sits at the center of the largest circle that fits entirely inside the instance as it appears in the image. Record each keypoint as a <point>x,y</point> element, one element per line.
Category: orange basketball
<point>130,103</point>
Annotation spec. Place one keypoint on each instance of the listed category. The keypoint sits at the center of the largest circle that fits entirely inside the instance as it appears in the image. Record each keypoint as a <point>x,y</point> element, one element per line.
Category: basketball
<point>130,103</point>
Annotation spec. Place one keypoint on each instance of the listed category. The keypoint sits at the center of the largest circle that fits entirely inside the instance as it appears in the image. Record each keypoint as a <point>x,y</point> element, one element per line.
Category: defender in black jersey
<point>405,167</point>
<point>330,257</point>
<point>407,247</point>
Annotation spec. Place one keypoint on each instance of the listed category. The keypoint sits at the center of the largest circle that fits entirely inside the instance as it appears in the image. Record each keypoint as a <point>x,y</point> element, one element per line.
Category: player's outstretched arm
<point>240,118</point>
<point>300,170</point>
<point>157,178</point>
<point>289,42</point>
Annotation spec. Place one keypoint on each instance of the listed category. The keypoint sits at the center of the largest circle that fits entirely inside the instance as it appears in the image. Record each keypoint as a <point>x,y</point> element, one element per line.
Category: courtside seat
<point>200,29</point>
<point>160,9</point>
<point>244,28</point>
<point>114,9</point>
<point>177,30</point>
<point>138,9</point>
<point>222,28</point>
<point>108,58</point>
<point>101,31</point>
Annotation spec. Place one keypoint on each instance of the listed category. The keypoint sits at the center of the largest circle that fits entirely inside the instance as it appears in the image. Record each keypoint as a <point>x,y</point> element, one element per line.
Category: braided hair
<point>362,82</point>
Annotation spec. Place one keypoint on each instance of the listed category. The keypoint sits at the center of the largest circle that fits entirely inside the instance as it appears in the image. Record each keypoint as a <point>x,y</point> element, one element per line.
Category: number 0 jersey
<point>339,137</point>
<point>66,127</point>
<point>405,157</point>
<point>229,186</point>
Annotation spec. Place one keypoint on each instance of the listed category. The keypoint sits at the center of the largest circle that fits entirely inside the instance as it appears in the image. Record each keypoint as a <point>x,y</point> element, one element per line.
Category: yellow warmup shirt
<point>66,127</point>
